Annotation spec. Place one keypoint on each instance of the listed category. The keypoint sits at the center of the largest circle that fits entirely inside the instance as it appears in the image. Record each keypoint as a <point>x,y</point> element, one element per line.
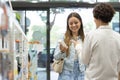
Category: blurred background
<point>43,22</point>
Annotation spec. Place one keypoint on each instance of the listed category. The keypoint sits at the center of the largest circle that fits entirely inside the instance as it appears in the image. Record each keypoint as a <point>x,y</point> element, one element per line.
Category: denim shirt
<point>69,60</point>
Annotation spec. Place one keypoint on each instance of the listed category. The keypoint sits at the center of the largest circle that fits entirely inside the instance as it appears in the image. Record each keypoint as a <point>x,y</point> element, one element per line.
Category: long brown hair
<point>68,33</point>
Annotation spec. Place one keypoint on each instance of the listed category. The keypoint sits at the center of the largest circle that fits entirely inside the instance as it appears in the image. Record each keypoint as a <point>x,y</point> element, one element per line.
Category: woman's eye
<point>76,22</point>
<point>71,23</point>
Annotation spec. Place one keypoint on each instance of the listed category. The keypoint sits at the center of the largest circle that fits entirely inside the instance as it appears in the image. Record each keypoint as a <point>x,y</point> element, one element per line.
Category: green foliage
<point>18,17</point>
<point>41,35</point>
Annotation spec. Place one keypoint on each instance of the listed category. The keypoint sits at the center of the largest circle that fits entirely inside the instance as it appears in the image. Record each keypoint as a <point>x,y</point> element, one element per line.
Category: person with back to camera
<point>66,49</point>
<point>101,48</point>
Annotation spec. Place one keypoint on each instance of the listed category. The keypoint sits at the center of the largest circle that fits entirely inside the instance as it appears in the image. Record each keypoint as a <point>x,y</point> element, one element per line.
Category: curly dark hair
<point>104,12</point>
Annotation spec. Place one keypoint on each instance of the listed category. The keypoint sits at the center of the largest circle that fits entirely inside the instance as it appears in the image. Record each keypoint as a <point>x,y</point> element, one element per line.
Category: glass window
<point>37,32</point>
<point>116,23</point>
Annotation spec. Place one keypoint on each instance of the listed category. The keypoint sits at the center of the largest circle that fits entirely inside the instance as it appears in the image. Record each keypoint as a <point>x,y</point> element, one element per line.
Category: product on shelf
<point>3,19</point>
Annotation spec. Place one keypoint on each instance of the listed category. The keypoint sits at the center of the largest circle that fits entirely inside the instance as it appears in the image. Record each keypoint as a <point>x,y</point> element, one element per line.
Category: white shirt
<point>101,54</point>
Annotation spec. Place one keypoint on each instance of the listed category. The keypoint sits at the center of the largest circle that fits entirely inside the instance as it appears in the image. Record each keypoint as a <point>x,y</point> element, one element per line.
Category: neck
<point>75,34</point>
<point>102,24</point>
<point>75,37</point>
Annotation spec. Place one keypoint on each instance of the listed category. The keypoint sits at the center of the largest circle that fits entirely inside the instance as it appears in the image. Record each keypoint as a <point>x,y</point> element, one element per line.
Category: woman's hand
<point>75,42</point>
<point>63,47</point>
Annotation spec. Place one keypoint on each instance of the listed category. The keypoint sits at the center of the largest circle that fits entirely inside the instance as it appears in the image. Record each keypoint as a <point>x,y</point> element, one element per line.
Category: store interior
<point>30,30</point>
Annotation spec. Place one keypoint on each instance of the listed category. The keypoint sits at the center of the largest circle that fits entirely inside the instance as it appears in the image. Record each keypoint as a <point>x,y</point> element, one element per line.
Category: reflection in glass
<point>37,32</point>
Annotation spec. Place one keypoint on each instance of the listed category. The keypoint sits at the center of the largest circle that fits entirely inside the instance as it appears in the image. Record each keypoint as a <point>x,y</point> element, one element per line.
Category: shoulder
<point>90,34</point>
<point>117,34</point>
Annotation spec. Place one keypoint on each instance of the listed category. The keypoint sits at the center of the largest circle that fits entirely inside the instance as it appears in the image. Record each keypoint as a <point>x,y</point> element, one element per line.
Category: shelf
<point>13,50</point>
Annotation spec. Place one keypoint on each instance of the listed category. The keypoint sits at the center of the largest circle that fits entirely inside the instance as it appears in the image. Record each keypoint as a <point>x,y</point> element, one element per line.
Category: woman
<point>74,36</point>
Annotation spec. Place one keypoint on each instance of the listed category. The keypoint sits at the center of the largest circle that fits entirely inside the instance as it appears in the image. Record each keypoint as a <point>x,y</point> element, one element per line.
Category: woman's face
<point>74,24</point>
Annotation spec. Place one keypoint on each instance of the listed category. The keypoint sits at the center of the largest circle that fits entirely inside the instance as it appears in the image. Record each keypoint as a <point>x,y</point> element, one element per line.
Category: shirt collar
<point>105,27</point>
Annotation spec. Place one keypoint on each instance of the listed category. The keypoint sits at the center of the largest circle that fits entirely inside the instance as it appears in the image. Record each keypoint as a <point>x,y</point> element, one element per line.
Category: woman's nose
<point>73,24</point>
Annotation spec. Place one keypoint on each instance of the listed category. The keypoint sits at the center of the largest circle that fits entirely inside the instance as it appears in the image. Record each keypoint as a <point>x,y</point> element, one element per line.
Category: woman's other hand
<point>75,42</point>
